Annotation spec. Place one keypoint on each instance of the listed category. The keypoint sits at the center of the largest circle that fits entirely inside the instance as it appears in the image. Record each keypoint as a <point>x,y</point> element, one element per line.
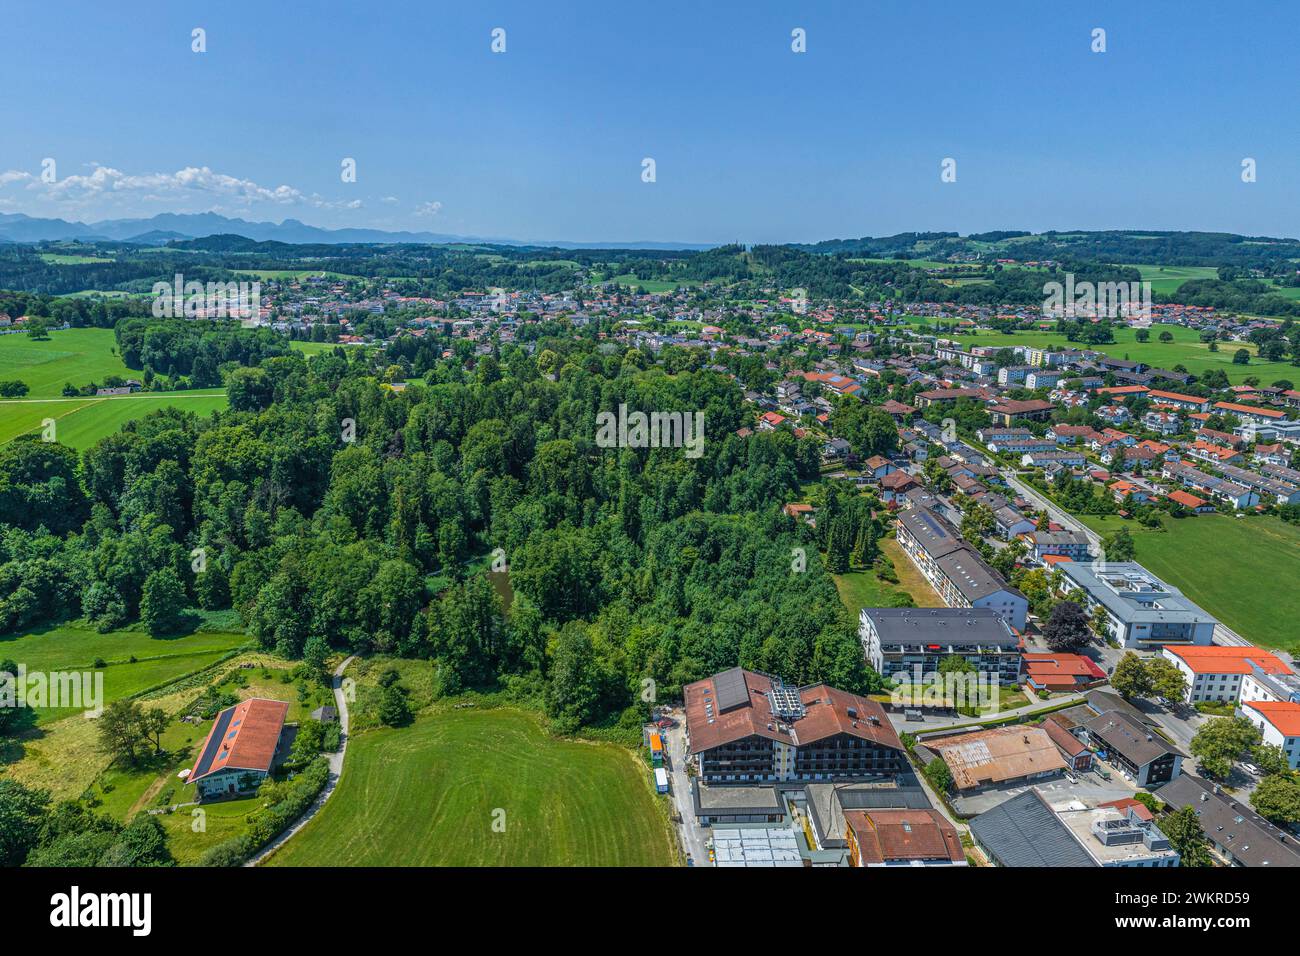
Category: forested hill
<point>1116,246</point>
<point>625,564</point>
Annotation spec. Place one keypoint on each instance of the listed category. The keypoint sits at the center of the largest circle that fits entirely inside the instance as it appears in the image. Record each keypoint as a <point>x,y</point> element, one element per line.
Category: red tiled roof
<point>1282,714</point>
<point>251,734</point>
<point>1186,500</point>
<point>884,836</point>
<point>1218,659</point>
<point>826,715</point>
<point>1249,410</point>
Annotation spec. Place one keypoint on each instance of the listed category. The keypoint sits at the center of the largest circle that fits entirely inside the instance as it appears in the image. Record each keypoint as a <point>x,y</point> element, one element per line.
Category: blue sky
<point>751,141</point>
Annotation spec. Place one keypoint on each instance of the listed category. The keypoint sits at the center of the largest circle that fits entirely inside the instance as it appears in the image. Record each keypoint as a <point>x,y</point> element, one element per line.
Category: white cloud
<point>428,208</point>
<point>105,188</point>
<point>389,200</point>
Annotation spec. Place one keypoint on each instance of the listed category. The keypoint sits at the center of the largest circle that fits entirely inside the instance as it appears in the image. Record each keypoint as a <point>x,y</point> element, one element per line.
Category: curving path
<point>336,769</point>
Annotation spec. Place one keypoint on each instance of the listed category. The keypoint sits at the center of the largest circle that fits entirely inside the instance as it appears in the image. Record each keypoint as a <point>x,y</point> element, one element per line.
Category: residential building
<point>1006,411</point>
<point>240,749</point>
<point>897,641</point>
<point>880,838</point>
<point>746,727</point>
<point>1279,721</point>
<point>955,569</point>
<point>1060,673</point>
<point>1068,544</point>
<point>1139,752</point>
<point>1233,830</point>
<point>1262,684</point>
<point>1141,610</point>
<point>1216,672</point>
<point>1077,755</point>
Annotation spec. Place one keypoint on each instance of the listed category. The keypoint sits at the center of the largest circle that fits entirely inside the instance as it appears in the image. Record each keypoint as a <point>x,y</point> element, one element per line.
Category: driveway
<point>693,836</point>
<point>336,769</point>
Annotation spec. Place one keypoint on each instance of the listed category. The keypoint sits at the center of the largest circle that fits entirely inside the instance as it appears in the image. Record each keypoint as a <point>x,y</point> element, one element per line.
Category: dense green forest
<point>625,564</point>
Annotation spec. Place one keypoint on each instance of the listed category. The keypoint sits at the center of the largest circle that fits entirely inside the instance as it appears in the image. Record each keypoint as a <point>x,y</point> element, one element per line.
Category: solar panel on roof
<point>731,689</point>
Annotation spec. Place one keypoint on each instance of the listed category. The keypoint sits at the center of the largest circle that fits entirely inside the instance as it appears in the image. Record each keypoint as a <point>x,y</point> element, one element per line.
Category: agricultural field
<point>1241,570</point>
<point>80,422</point>
<point>289,274</point>
<point>78,356</point>
<point>651,286</point>
<point>426,795</point>
<point>1167,279</point>
<point>1186,349</point>
<point>134,661</point>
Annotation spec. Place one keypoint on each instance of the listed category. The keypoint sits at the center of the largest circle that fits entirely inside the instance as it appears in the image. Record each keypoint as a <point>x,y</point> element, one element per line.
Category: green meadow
<point>1186,349</point>
<point>133,661</point>
<point>430,793</point>
<point>76,356</point>
<point>1241,570</point>
<point>80,422</point>
<point>1167,279</point>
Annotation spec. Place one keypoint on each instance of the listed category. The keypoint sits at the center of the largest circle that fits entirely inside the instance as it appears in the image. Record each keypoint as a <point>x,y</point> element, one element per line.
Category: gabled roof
<point>737,703</point>
<point>1129,738</point>
<point>243,737</point>
<point>1219,659</point>
<point>888,836</point>
<point>1282,714</point>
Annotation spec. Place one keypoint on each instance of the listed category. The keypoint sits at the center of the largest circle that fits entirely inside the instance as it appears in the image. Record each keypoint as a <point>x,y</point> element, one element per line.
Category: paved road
<point>336,769</point>
<point>1063,518</point>
<point>1028,710</point>
<point>693,836</point>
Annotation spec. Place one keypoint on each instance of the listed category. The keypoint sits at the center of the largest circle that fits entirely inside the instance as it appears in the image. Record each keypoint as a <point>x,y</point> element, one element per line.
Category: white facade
<point>1290,746</point>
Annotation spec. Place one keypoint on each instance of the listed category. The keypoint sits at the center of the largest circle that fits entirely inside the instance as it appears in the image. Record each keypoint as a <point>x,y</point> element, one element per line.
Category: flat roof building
<point>1142,611</point>
<point>900,640</point>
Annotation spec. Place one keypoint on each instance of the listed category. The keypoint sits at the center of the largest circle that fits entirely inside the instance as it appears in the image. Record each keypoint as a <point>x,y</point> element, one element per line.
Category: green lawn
<point>1186,349</point>
<point>79,356</point>
<point>1167,279</point>
<point>428,795</point>
<point>651,286</point>
<point>1241,570</point>
<point>859,589</point>
<point>81,422</point>
<point>158,660</point>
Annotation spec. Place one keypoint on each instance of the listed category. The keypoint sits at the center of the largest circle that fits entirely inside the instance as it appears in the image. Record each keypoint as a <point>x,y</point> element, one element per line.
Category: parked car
<point>1252,769</point>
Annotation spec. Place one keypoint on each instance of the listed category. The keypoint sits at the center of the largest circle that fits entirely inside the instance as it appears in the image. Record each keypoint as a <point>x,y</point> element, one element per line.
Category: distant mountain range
<point>160,229</point>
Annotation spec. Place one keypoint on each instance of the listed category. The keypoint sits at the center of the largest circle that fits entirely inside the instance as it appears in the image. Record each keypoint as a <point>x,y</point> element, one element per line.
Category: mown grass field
<point>1167,279</point>
<point>81,422</point>
<point>157,660</point>
<point>651,286</point>
<point>1186,349</point>
<point>77,356</point>
<point>1242,570</point>
<point>428,794</point>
